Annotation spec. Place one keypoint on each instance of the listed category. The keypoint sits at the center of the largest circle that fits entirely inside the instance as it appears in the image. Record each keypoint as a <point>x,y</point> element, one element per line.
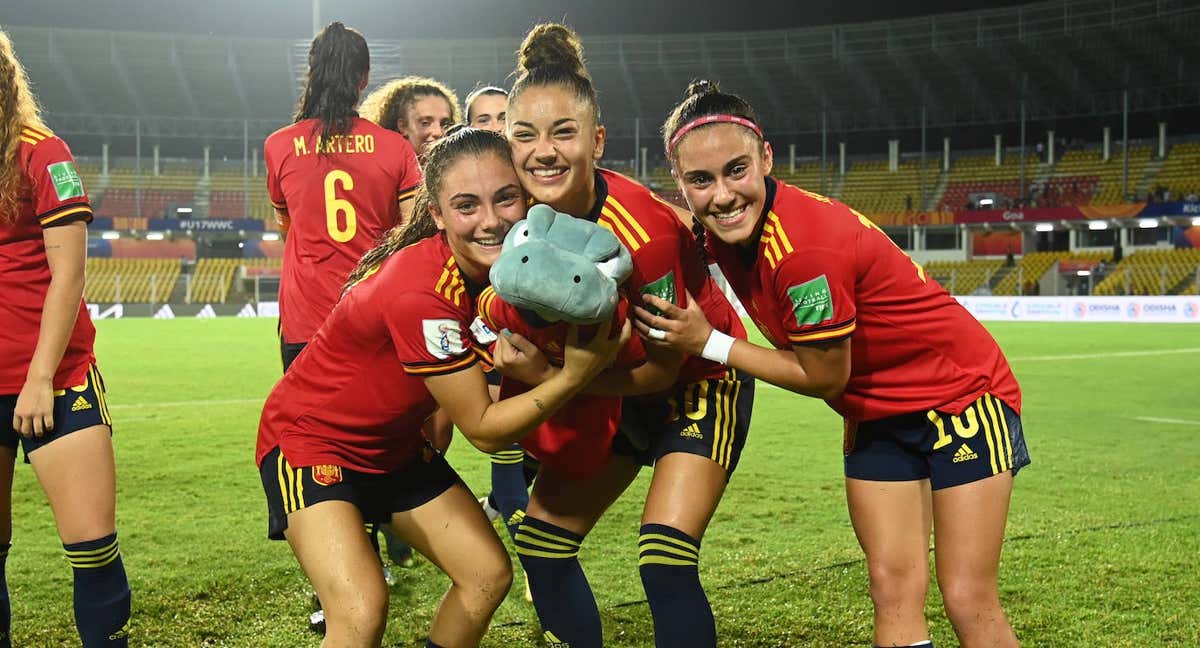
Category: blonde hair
<point>388,104</point>
<point>18,109</point>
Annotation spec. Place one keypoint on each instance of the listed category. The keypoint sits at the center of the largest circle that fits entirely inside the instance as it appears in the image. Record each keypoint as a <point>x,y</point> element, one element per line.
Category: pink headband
<point>712,119</point>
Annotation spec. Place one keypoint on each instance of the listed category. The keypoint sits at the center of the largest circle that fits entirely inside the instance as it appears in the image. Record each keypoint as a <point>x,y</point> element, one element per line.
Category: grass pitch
<point>1101,550</point>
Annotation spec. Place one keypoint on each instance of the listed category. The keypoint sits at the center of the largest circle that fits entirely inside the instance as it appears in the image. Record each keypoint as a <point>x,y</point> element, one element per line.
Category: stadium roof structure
<point>1053,60</point>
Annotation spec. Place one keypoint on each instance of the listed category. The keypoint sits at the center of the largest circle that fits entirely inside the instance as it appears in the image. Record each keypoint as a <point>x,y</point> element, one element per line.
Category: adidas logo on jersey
<point>80,404</point>
<point>691,432</point>
<point>964,454</point>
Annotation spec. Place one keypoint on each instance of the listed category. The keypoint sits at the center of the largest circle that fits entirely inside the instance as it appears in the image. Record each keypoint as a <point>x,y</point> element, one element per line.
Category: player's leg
<point>973,468</point>
<point>76,470</point>
<point>8,455</point>
<point>328,540</point>
<point>697,445</point>
<point>562,510</point>
<point>968,535</point>
<point>452,531</point>
<point>892,522</point>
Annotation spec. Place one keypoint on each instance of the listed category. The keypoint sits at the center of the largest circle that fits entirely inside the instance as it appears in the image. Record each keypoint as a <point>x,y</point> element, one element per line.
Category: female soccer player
<point>932,410</point>
<point>487,108</point>
<point>52,399</point>
<point>686,416</point>
<point>338,183</point>
<point>340,438</point>
<point>419,108</point>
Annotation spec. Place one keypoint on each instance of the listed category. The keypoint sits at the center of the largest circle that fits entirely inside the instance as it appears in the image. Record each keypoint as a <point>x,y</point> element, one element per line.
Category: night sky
<point>463,18</point>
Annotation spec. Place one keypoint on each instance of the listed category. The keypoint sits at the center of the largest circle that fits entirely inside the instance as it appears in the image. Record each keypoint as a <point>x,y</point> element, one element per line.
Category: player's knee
<point>898,584</point>
<point>357,616</point>
<point>967,598</point>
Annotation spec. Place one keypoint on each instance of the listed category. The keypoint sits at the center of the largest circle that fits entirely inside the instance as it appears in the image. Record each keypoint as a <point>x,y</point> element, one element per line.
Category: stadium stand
<point>131,280</point>
<point>1180,173</point>
<point>1153,272</point>
<point>963,277</point>
<point>1023,279</point>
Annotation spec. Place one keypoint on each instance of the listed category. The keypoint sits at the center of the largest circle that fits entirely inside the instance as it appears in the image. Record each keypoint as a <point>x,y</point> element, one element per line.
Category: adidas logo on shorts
<point>964,454</point>
<point>691,432</point>
<point>81,404</point>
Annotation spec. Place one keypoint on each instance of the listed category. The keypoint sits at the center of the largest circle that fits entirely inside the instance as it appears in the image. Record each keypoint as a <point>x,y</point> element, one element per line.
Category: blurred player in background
<point>487,108</point>
<point>932,410</point>
<point>687,417</point>
<point>419,108</point>
<point>340,439</point>
<point>52,399</point>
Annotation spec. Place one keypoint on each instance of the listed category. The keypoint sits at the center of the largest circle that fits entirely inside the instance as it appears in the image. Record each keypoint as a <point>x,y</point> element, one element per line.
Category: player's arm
<point>819,369</point>
<point>491,427</point>
<point>66,254</point>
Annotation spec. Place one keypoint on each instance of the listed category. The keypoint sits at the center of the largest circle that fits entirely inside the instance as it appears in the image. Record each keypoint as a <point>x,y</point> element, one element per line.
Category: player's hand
<point>517,358</point>
<point>34,413</point>
<point>587,360</point>
<point>682,329</point>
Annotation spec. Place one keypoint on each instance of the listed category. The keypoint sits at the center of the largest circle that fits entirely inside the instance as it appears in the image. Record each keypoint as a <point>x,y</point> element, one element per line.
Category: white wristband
<point>717,347</point>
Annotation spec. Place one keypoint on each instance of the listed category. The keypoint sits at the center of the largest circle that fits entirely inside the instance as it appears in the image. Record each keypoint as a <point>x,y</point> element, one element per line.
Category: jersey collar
<point>749,253</point>
<point>601,197</point>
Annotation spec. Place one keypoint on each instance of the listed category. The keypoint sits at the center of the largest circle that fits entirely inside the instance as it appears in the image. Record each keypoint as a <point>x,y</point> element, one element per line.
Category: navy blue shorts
<point>76,408</point>
<point>947,449</point>
<point>377,496</point>
<point>710,418</point>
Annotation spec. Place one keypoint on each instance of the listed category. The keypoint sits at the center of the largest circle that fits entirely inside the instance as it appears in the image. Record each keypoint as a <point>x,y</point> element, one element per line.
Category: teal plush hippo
<point>562,268</point>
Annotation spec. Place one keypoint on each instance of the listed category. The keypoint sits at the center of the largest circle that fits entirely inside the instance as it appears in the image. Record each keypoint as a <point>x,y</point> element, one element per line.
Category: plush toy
<point>562,268</point>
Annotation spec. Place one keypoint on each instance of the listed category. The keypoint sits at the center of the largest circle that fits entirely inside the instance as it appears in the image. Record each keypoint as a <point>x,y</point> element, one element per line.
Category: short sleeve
<point>274,191</point>
<point>59,196</point>
<point>816,295</point>
<point>410,172</point>
<point>431,336</point>
<point>658,270</point>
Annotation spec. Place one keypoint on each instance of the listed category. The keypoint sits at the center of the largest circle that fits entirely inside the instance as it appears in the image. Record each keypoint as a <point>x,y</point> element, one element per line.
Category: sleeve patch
<point>443,338</point>
<point>67,183</point>
<point>663,288</point>
<point>481,332</point>
<point>812,302</point>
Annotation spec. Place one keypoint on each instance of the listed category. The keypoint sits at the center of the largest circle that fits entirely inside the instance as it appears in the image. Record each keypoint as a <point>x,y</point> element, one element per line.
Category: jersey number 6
<point>334,205</point>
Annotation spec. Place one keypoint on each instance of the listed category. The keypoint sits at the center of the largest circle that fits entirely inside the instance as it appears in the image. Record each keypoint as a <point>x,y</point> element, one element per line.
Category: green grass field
<point>1102,540</point>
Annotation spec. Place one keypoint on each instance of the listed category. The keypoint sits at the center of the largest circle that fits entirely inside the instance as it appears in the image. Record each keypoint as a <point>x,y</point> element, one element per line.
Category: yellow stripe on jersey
<point>773,219</point>
<point>823,335</point>
<point>36,132</point>
<point>731,410</point>
<point>101,401</point>
<point>993,457</point>
<point>609,221</point>
<point>29,140</point>
<point>406,195</point>
<point>281,476</point>
<point>299,488</point>
<point>446,268</point>
<point>628,218</point>
<point>57,216</point>
<point>458,363</point>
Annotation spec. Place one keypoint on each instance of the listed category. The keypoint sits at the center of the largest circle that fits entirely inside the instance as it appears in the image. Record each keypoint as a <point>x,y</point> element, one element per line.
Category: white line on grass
<point>1169,421</point>
<point>1110,354</point>
<point>191,403</point>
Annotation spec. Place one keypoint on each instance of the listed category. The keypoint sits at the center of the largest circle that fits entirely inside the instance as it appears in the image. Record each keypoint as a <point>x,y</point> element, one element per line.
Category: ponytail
<point>338,63</point>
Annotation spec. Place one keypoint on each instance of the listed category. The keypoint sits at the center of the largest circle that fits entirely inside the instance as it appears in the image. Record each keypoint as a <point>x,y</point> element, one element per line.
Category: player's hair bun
<point>551,45</point>
<point>701,87</point>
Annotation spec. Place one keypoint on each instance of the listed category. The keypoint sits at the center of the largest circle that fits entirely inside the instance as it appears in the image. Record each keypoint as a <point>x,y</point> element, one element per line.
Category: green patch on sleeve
<point>663,288</point>
<point>812,303</point>
<point>67,183</point>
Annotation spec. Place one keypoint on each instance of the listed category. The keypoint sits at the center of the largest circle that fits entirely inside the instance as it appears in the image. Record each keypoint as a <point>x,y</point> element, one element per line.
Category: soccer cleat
<point>491,513</point>
<point>316,622</point>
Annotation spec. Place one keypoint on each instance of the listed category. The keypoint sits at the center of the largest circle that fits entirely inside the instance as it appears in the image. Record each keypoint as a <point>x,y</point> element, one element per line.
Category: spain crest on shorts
<point>327,475</point>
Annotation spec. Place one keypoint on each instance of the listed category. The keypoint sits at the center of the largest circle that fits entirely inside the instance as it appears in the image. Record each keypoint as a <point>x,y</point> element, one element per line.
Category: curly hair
<point>389,103</point>
<point>18,109</point>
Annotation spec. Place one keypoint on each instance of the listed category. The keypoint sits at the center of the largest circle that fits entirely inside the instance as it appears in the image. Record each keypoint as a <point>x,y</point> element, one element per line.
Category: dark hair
<point>458,143</point>
<point>551,54</point>
<point>338,60</point>
<point>482,91</point>
<point>702,98</point>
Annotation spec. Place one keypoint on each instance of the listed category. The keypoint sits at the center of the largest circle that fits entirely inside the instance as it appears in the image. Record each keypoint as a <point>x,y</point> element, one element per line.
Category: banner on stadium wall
<point>1084,309</point>
<point>1032,214</point>
<point>885,219</point>
<point>181,311</point>
<point>1122,210</point>
<point>1172,209</point>
<point>206,224</point>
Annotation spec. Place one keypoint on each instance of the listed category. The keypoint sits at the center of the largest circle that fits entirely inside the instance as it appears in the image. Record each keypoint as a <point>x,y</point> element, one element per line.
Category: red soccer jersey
<point>355,397</point>
<point>822,271</point>
<point>577,439</point>
<point>340,196</point>
<point>53,195</point>
<point>666,259</point>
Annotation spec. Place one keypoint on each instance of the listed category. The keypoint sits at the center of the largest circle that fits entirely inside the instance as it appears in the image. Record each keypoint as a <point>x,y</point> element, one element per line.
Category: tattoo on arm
<point>540,405</point>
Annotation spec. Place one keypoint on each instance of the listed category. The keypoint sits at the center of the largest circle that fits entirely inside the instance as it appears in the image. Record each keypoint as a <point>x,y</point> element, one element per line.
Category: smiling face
<point>479,200</point>
<point>489,112</point>
<point>721,169</point>
<point>556,143</point>
<point>425,122</point>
